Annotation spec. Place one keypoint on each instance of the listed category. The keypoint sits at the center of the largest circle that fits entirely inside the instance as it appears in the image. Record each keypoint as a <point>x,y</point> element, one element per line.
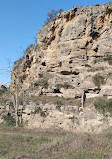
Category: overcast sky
<point>20,21</point>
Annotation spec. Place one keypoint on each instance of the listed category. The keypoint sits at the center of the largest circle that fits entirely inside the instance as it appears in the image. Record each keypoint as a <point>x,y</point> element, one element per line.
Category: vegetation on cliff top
<point>52,14</point>
<point>27,50</point>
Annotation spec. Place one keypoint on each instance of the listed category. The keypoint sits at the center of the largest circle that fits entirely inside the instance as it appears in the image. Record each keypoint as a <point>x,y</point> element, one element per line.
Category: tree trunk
<point>17,119</point>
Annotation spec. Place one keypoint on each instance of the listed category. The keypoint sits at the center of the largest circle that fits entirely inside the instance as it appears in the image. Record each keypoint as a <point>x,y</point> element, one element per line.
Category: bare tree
<point>15,94</point>
<point>52,14</point>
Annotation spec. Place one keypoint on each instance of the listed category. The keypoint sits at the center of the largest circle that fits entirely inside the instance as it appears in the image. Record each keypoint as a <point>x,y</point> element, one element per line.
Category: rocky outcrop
<point>72,59</point>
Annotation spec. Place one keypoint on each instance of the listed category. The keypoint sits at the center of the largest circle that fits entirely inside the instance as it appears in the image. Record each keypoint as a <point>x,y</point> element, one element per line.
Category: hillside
<point>66,78</point>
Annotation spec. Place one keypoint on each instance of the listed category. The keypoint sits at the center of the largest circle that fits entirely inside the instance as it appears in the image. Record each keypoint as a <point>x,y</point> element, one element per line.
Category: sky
<point>20,20</point>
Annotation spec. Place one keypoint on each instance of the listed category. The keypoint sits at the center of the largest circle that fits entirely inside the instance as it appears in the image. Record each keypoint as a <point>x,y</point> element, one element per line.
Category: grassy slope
<point>19,143</point>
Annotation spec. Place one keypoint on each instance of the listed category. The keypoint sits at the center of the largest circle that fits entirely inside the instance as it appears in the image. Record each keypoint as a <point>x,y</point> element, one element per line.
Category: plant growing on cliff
<point>58,105</point>
<point>28,48</point>
<point>39,110</point>
<point>103,105</point>
<point>9,120</point>
<point>52,14</point>
<point>108,59</point>
<point>3,89</point>
<point>42,82</point>
<point>98,80</point>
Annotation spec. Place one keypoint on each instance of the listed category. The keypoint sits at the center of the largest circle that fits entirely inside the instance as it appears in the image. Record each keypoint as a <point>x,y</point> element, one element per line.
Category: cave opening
<point>57,90</point>
<point>43,64</point>
<point>27,57</point>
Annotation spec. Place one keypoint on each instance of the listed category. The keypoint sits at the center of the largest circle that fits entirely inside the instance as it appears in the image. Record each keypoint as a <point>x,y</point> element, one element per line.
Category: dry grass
<point>54,99</point>
<point>19,143</point>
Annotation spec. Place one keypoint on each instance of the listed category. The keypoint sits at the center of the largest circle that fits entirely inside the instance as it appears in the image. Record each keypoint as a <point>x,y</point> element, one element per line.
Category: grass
<point>65,85</point>
<point>109,134</point>
<point>53,143</point>
<point>54,100</point>
<point>79,154</point>
<point>21,144</point>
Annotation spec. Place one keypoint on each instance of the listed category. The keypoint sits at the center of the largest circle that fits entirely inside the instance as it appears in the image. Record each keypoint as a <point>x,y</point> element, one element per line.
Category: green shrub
<point>4,88</point>
<point>108,11</point>
<point>58,105</point>
<point>103,105</point>
<point>109,134</point>
<point>43,114</point>
<point>3,101</point>
<point>36,84</point>
<point>39,111</point>
<point>109,59</point>
<point>98,80</point>
<point>9,120</point>
<point>42,82</point>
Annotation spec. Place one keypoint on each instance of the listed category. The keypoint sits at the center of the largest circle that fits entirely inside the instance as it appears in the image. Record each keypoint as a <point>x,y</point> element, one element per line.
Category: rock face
<point>72,60</point>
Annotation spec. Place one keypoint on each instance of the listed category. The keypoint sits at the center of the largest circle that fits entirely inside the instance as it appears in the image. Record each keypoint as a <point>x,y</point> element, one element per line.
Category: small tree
<point>15,94</point>
<point>52,14</point>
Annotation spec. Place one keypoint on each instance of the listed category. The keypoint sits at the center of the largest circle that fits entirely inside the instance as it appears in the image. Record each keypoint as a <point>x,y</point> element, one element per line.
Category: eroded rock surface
<point>71,50</point>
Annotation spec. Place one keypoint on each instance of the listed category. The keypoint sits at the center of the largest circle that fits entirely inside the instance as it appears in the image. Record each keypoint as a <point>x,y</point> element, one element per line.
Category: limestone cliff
<point>70,64</point>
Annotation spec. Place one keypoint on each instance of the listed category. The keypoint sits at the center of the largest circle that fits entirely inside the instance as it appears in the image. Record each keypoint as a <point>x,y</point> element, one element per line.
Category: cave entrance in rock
<point>57,90</point>
<point>43,64</point>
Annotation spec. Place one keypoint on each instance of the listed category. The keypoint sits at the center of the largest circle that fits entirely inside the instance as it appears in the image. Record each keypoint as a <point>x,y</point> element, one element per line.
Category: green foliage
<point>43,114</point>
<point>52,14</point>
<point>55,142</point>
<point>109,134</point>
<point>9,120</point>
<point>98,80</point>
<point>39,110</point>
<point>58,105</point>
<point>103,105</point>
<point>3,101</point>
<point>80,154</point>
<point>42,82</point>
<point>3,89</point>
<point>19,144</point>
<point>110,2</point>
<point>109,59</point>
